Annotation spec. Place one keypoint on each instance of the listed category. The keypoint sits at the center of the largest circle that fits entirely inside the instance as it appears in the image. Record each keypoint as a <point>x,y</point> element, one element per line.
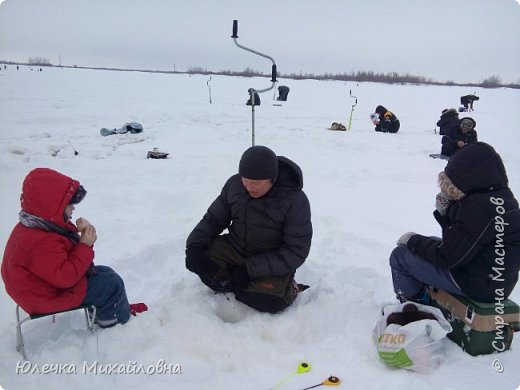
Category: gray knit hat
<point>258,163</point>
<point>467,124</point>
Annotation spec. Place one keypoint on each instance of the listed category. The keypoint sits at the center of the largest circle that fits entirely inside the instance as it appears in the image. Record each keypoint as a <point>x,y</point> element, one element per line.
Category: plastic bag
<point>374,118</point>
<point>417,345</point>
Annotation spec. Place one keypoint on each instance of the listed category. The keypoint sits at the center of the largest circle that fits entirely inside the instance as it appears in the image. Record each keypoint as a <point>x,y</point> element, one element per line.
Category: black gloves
<point>198,263</point>
<point>240,278</point>
<point>195,258</point>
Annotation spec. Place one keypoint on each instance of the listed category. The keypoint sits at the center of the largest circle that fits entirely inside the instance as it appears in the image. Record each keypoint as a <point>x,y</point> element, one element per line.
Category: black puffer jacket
<point>481,232</point>
<point>454,135</point>
<point>273,232</point>
<point>448,122</point>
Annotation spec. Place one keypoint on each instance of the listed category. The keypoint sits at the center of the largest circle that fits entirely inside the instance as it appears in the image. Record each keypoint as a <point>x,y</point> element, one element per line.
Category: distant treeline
<point>360,76</point>
<point>371,76</point>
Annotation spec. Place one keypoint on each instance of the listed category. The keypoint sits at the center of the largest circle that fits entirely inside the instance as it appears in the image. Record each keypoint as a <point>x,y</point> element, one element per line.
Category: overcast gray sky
<point>458,40</point>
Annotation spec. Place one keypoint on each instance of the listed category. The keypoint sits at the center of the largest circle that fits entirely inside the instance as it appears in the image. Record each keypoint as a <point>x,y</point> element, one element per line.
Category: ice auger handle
<point>273,73</point>
<point>235,29</point>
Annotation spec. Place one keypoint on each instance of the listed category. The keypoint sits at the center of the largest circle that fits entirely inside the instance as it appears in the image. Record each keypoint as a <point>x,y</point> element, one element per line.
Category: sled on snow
<point>441,156</point>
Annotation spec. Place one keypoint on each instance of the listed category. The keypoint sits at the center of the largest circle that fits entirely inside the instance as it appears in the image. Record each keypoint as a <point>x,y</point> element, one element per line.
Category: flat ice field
<point>365,189</point>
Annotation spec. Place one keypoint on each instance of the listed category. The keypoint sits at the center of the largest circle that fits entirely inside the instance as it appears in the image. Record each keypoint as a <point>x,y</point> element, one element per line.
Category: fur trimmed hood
<point>449,112</point>
<point>467,124</point>
<point>450,189</point>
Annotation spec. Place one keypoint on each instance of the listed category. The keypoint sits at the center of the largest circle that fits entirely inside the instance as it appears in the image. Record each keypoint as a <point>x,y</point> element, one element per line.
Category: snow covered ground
<point>365,189</point>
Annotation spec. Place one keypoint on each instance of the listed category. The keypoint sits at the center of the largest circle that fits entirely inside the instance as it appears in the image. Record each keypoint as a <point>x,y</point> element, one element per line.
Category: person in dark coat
<point>449,121</point>
<point>386,121</point>
<point>268,219</point>
<point>478,255</point>
<point>467,101</point>
<point>48,264</point>
<point>458,137</point>
<point>253,94</point>
<point>283,92</point>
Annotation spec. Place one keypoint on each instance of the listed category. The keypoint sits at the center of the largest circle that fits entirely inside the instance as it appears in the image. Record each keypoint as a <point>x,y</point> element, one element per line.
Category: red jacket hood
<point>46,193</point>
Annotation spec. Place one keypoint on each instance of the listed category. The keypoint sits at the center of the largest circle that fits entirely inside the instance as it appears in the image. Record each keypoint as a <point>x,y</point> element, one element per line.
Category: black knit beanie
<point>78,196</point>
<point>258,163</point>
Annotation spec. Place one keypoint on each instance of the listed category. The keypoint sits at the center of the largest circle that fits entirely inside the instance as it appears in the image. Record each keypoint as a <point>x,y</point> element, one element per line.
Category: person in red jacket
<point>48,264</point>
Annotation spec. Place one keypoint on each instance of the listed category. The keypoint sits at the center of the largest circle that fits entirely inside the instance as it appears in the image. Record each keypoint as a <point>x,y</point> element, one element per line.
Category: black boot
<point>422,297</point>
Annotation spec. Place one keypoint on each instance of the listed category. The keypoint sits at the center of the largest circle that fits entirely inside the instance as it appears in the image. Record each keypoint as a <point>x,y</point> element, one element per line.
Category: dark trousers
<point>266,294</point>
<point>106,291</point>
<point>411,272</point>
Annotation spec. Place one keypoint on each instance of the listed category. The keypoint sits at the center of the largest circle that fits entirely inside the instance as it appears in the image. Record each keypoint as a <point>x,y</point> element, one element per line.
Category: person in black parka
<point>253,95</point>
<point>387,121</point>
<point>459,136</point>
<point>467,101</point>
<point>283,92</point>
<point>449,121</point>
<point>268,219</point>
<point>479,253</point>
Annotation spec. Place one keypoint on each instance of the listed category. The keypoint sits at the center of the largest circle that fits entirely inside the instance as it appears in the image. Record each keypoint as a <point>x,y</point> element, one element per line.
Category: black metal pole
<point>253,91</point>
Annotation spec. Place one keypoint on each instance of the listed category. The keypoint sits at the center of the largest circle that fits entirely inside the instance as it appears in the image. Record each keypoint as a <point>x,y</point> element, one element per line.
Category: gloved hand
<point>240,278</point>
<point>442,202</point>
<point>403,240</point>
<point>195,256</point>
<point>137,308</point>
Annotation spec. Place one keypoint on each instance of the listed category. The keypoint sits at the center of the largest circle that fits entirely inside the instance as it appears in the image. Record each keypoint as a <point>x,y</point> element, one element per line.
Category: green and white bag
<point>417,345</point>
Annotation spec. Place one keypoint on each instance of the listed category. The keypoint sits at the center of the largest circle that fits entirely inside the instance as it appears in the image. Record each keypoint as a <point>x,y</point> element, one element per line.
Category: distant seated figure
<point>467,101</point>
<point>449,121</point>
<point>385,121</point>
<point>459,137</point>
<point>255,96</point>
<point>283,91</point>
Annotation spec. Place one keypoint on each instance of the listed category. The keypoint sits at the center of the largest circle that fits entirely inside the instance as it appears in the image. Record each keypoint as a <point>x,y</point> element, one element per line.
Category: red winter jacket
<point>45,271</point>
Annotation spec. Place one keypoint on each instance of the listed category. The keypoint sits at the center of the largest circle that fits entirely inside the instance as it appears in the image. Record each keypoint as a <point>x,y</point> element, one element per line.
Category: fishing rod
<point>330,381</point>
<point>303,368</point>
<point>209,88</point>
<point>253,92</point>
<point>351,110</point>
<point>75,151</point>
